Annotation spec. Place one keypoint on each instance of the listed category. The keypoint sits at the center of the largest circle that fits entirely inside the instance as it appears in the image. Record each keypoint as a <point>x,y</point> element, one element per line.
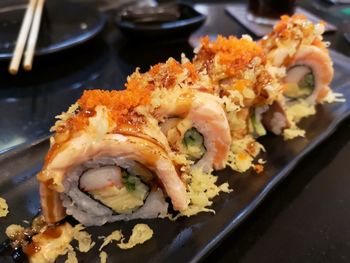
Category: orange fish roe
<point>319,43</point>
<point>241,84</point>
<point>286,21</point>
<point>258,168</point>
<point>262,80</point>
<point>295,28</point>
<point>171,66</point>
<point>119,103</point>
<point>193,74</point>
<point>235,55</point>
<point>165,75</point>
<point>242,156</point>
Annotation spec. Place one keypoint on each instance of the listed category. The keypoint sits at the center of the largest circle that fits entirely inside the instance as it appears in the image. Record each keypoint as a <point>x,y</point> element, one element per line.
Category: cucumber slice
<point>307,84</point>
<point>302,89</point>
<point>258,128</point>
<point>129,181</point>
<point>193,143</point>
<point>134,184</point>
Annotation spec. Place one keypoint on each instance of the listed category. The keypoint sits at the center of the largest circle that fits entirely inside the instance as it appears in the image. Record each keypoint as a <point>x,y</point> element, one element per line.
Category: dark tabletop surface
<point>305,219</point>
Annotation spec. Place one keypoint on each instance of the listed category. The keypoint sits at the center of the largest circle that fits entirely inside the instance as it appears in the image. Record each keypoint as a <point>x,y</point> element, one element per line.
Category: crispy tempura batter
<point>4,209</point>
<point>140,234</point>
<point>103,257</point>
<point>84,238</point>
<point>115,235</point>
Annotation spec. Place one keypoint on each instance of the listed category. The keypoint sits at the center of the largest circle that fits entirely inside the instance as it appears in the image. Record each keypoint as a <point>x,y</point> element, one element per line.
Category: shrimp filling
<point>300,82</point>
<point>115,188</point>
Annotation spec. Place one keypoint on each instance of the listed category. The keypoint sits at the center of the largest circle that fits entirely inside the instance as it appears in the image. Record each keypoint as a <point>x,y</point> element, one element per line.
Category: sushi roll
<point>296,45</point>
<point>103,167</point>
<point>192,119</point>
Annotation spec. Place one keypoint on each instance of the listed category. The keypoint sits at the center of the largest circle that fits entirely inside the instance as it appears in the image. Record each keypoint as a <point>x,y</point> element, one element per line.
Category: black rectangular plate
<point>187,239</point>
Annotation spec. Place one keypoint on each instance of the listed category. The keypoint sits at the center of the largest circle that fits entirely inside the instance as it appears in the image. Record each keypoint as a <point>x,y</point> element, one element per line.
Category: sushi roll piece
<point>308,75</point>
<point>296,45</point>
<point>237,69</point>
<point>192,119</point>
<point>274,117</point>
<point>202,133</point>
<point>103,167</point>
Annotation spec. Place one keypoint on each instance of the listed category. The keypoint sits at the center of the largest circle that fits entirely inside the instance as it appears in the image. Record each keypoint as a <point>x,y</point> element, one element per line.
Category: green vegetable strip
<point>307,83</point>
<point>258,128</point>
<point>129,185</point>
<point>193,140</point>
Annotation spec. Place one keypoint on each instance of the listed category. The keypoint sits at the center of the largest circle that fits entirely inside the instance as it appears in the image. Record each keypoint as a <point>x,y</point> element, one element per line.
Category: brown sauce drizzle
<point>52,232</point>
<point>23,238</point>
<point>65,133</point>
<point>31,249</point>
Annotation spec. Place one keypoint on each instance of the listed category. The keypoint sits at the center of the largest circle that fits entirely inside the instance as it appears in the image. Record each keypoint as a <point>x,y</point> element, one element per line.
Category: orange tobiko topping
<point>115,100</point>
<point>120,105</point>
<point>242,156</point>
<point>235,55</point>
<point>320,44</point>
<point>193,74</point>
<point>241,84</point>
<point>289,28</point>
<point>163,75</point>
<point>284,23</point>
<point>258,168</point>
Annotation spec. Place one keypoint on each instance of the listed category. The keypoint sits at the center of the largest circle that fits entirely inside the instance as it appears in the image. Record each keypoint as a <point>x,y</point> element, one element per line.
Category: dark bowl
<point>188,21</point>
<point>64,24</point>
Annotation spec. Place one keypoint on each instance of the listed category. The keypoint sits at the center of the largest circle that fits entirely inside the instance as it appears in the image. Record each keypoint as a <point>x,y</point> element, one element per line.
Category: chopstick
<point>22,37</point>
<point>30,26</point>
<point>33,36</point>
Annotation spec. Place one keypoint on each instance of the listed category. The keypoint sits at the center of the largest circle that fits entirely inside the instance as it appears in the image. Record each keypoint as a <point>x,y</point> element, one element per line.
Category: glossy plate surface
<point>187,239</point>
<point>64,24</point>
